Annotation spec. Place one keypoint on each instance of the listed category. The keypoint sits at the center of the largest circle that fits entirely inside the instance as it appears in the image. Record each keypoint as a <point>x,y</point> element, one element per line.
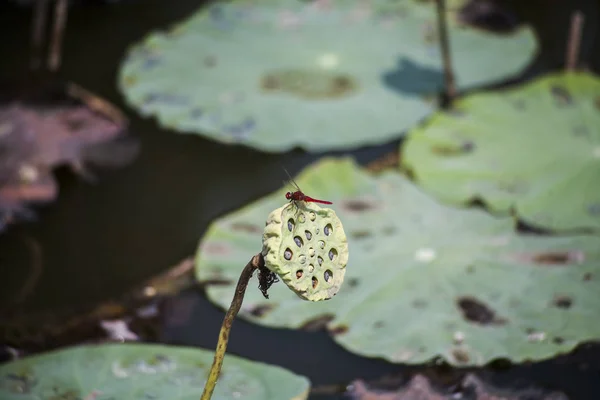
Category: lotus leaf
<point>136,371</point>
<point>424,279</point>
<point>275,74</point>
<point>535,148</point>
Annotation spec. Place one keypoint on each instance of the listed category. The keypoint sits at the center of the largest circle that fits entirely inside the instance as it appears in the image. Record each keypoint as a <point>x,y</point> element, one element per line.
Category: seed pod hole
<point>315,282</point>
<point>311,268</point>
<point>321,244</point>
<point>312,216</point>
<point>301,218</point>
<point>287,254</point>
<point>328,230</point>
<point>299,274</point>
<point>317,230</point>
<point>308,235</point>
<point>328,275</point>
<point>290,224</point>
<point>332,254</point>
<point>320,260</point>
<point>301,258</point>
<point>298,241</point>
<point>311,252</point>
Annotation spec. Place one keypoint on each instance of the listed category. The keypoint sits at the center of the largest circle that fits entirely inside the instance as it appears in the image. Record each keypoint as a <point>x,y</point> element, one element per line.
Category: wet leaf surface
<point>311,74</point>
<point>143,371</point>
<point>534,149</point>
<point>428,280</point>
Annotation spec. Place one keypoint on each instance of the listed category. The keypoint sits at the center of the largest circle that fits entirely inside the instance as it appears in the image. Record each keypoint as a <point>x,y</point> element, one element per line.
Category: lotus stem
<point>37,34</point>
<point>574,40</point>
<point>257,262</point>
<point>60,20</point>
<point>449,82</point>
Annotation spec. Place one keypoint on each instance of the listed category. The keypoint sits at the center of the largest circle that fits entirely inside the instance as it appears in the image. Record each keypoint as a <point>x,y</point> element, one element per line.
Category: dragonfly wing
<point>292,181</point>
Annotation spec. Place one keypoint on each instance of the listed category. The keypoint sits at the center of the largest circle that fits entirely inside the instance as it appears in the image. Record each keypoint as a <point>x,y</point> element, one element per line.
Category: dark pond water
<point>99,240</point>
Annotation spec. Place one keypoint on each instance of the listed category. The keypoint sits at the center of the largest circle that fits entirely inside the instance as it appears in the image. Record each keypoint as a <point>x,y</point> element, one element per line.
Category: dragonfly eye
<point>288,195</point>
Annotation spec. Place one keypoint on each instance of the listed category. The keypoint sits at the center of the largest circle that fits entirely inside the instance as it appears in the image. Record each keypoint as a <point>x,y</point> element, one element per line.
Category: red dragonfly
<point>298,195</point>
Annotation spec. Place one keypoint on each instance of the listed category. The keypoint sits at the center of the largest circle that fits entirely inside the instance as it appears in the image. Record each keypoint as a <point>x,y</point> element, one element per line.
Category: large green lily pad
<point>535,149</point>
<point>423,279</point>
<point>275,74</point>
<point>142,371</point>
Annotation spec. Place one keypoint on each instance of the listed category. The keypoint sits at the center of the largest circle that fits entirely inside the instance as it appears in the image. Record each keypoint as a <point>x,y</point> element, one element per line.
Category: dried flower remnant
<point>36,139</point>
<point>420,387</point>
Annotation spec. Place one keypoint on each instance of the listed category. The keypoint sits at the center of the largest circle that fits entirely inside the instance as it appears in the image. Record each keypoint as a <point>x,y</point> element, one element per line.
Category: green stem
<point>240,290</point>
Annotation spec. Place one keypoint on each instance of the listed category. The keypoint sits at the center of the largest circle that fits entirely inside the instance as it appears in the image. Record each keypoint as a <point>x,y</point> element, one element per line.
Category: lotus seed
<point>288,254</point>
<point>320,260</point>
<point>312,216</point>
<point>302,258</point>
<point>301,218</point>
<point>311,252</point>
<point>317,231</point>
<point>308,235</point>
<point>290,224</point>
<point>298,241</point>
<point>332,254</point>
<point>321,244</point>
<point>327,230</point>
<point>328,275</point>
<point>311,268</point>
<point>315,282</point>
<point>299,274</point>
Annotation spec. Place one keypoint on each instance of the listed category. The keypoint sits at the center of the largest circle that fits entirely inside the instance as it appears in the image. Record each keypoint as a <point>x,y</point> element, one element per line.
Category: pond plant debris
<point>188,77</point>
<point>35,138</point>
<point>471,387</point>
<point>139,309</point>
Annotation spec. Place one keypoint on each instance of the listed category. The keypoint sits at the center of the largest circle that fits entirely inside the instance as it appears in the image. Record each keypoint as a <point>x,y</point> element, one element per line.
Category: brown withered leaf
<point>471,387</point>
<point>35,137</point>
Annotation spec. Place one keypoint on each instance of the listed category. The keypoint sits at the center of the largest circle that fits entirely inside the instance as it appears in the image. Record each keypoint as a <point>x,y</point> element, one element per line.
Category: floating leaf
<point>535,149</point>
<point>135,371</point>
<point>424,279</point>
<point>283,73</point>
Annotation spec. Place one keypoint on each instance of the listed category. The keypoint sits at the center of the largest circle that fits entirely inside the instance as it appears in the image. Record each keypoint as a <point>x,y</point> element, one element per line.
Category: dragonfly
<point>298,194</point>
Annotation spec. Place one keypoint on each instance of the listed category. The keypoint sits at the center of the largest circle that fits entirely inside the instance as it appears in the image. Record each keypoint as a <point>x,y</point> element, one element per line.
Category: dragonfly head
<point>288,195</point>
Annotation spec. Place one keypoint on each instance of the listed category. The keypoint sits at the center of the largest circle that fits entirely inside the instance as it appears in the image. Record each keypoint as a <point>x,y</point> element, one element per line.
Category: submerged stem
<point>574,41</point>
<point>449,82</point>
<point>60,21</point>
<point>240,290</point>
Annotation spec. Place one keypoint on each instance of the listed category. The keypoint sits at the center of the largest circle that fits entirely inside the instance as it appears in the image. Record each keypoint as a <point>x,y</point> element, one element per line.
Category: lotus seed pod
<point>306,246</point>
